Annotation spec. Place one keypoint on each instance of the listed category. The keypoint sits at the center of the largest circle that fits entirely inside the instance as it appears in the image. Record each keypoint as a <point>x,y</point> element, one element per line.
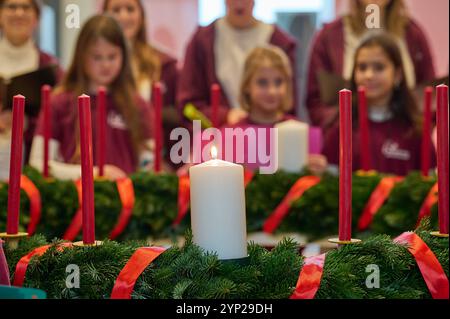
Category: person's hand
<point>317,164</point>
<point>236,115</point>
<point>5,121</point>
<point>113,173</point>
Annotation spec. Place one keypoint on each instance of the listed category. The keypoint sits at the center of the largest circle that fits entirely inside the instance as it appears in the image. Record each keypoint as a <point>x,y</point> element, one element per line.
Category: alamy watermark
<point>373,279</point>
<point>73,16</point>
<point>243,146</point>
<point>373,17</point>
<point>73,277</point>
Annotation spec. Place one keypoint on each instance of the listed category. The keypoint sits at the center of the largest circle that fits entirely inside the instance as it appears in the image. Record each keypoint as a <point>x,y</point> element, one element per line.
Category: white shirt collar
<point>380,115</point>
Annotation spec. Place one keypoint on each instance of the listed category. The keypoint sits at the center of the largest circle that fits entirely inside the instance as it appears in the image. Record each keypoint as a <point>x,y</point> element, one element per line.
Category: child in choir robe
<point>266,93</point>
<point>216,55</point>
<point>394,120</point>
<point>100,59</point>
<point>19,55</point>
<point>149,63</point>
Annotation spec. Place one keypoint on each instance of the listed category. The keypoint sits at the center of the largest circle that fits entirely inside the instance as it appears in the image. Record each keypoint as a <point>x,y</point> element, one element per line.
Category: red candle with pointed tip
<point>101,130</point>
<point>364,130</point>
<point>426,132</point>
<point>87,179</point>
<point>12,223</point>
<point>215,102</point>
<point>157,104</point>
<point>345,165</point>
<point>45,102</point>
<point>442,156</point>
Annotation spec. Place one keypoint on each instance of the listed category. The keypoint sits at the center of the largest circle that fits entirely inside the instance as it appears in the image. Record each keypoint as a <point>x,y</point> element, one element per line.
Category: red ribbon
<point>376,200</point>
<point>77,222</point>
<point>35,203</point>
<point>296,191</point>
<point>248,177</point>
<point>184,193</point>
<point>22,264</point>
<point>431,269</point>
<point>308,282</point>
<point>126,193</point>
<point>124,285</point>
<point>430,200</point>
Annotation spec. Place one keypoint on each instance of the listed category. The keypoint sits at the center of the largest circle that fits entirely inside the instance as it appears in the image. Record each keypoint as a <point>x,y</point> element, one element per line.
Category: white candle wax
<point>218,208</point>
<point>293,145</point>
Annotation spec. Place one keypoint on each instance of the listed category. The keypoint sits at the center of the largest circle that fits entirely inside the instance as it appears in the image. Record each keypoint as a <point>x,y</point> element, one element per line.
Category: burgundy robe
<point>394,147</point>
<point>44,60</point>
<point>199,71</point>
<point>169,76</point>
<point>328,54</point>
<point>65,124</point>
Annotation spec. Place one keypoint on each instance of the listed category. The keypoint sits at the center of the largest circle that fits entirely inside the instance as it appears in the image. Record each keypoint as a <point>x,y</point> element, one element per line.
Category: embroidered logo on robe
<point>392,150</point>
<point>115,120</point>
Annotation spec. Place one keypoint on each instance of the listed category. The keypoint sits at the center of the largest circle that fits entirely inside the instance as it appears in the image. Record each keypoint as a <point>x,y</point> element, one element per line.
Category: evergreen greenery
<point>189,273</point>
<point>315,214</point>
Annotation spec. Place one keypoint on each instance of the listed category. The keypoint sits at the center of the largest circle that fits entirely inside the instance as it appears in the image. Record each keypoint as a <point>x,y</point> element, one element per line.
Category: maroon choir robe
<point>119,150</point>
<point>328,54</point>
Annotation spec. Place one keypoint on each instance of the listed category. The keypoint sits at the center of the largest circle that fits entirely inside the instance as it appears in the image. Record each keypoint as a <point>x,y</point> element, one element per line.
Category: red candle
<point>345,165</point>
<point>87,181</point>
<point>45,102</point>
<point>158,102</point>
<point>364,130</point>
<point>101,130</point>
<point>12,225</point>
<point>215,102</point>
<point>426,134</point>
<point>442,156</point>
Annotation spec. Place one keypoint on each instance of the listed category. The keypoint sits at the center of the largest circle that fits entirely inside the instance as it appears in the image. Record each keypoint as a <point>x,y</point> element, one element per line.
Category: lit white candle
<point>293,145</point>
<point>218,208</point>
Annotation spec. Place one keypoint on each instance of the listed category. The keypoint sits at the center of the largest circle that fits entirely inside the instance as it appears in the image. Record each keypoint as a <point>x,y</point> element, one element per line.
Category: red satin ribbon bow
<point>430,200</point>
<point>126,193</point>
<point>22,264</point>
<point>431,269</point>
<point>35,203</point>
<point>248,177</point>
<point>296,191</point>
<point>376,200</point>
<point>184,193</point>
<point>139,261</point>
<point>309,279</point>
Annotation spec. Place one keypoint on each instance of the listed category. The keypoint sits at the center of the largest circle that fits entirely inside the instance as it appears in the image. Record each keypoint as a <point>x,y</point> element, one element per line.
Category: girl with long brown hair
<point>334,46</point>
<point>100,59</point>
<point>149,64</point>
<point>394,118</point>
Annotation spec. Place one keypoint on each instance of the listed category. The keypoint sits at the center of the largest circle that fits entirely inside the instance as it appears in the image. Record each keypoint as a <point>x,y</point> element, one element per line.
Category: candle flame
<point>214,152</point>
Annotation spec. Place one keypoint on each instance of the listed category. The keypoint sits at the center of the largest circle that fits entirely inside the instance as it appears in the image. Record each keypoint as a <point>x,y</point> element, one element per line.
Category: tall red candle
<point>101,130</point>
<point>215,102</point>
<point>426,132</point>
<point>364,130</point>
<point>45,105</point>
<point>345,165</point>
<point>12,225</point>
<point>157,103</point>
<point>87,180</point>
<point>442,156</point>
